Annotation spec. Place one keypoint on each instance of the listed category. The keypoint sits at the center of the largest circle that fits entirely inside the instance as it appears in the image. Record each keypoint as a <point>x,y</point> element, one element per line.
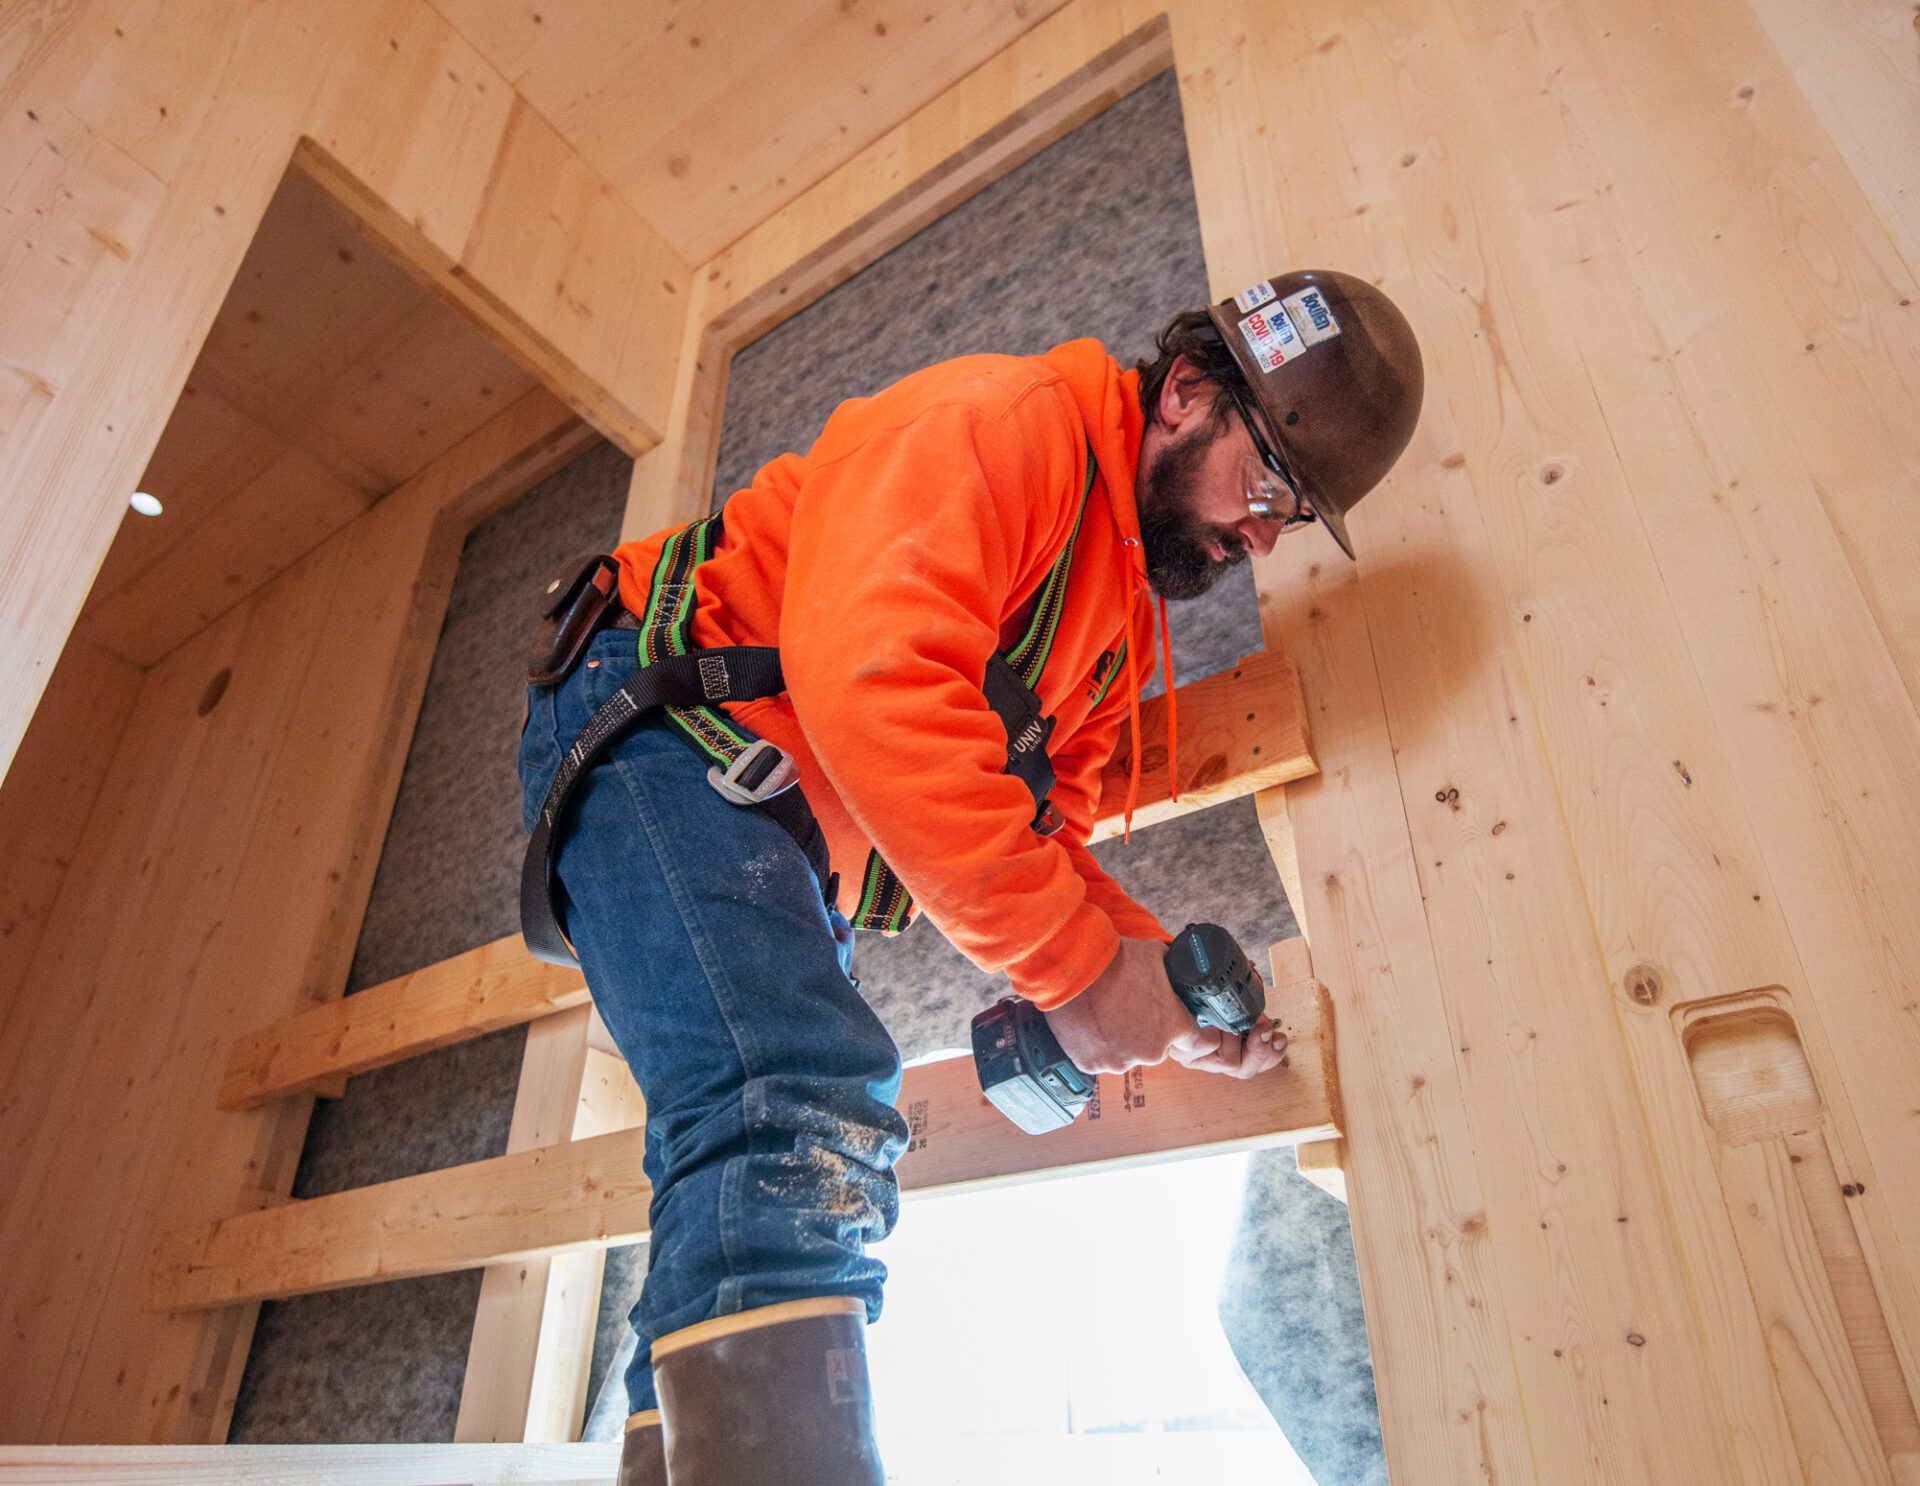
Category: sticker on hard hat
<point>1271,339</point>
<point>1251,299</point>
<point>1312,316</point>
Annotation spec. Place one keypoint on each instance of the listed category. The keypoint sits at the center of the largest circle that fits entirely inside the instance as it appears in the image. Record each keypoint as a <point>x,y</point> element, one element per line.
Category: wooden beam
<point>593,1193</point>
<point>1243,730</point>
<point>309,1465</point>
<point>532,1344</point>
<point>498,1384</point>
<point>497,985</point>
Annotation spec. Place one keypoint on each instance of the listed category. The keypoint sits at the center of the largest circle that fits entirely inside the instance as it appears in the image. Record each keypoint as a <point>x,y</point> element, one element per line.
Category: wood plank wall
<point>1611,715</point>
<point>223,870</point>
<point>1617,716</point>
<point>141,143</point>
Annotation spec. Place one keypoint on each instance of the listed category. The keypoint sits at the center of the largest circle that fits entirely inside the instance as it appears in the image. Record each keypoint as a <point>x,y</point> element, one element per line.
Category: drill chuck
<point>1212,975</point>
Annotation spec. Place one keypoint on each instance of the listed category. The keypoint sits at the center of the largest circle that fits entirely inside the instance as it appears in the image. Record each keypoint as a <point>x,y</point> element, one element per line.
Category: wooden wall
<point>1609,866</point>
<point>1616,717</point>
<point>141,144</point>
<point>221,873</point>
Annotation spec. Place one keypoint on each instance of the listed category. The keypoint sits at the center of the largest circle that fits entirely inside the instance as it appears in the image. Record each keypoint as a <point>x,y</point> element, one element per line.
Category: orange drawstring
<point>1133,700</point>
<point>1133,703</point>
<point>1173,712</point>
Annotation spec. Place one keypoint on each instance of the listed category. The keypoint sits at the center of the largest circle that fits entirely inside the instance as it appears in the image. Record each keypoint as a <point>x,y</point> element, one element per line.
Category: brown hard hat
<point>1335,371</point>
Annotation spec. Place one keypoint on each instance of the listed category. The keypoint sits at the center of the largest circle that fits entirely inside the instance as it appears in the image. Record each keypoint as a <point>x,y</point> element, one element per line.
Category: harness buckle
<point>1049,821</point>
<point>762,771</point>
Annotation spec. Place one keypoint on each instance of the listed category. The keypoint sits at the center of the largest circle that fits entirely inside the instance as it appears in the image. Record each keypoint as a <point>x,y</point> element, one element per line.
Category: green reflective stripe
<point>1029,656</point>
<point>885,904</point>
<point>1113,673</point>
<point>666,629</point>
<point>666,626</point>
<point>709,730</point>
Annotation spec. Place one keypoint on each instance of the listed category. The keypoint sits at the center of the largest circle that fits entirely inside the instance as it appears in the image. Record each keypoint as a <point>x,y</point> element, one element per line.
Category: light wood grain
<point>533,1333</point>
<point>496,1391</point>
<point>148,146</point>
<point>1827,1331</point>
<point>712,123</point>
<point>497,985</point>
<point>1562,773</point>
<point>49,793</point>
<point>1856,65</point>
<point>593,1193</point>
<point>310,1465</point>
<point>1447,1378</point>
<point>230,850</point>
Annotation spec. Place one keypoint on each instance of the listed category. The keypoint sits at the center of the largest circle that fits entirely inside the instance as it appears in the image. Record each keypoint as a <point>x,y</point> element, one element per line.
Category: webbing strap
<point>885,904</point>
<point>1030,653</point>
<point>666,629</point>
<point>738,672</point>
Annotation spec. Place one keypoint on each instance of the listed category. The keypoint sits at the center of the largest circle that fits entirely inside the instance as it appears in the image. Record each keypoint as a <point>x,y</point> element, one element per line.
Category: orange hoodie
<point>887,564</point>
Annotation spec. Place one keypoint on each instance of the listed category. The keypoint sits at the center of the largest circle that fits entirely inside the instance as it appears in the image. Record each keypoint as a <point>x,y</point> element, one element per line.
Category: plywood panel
<point>1561,772</point>
<point>711,123</point>
<point>118,361</point>
<point>1856,64</point>
<point>112,272</point>
<point>50,792</point>
<point>1765,470</point>
<point>231,850</point>
<point>329,377</point>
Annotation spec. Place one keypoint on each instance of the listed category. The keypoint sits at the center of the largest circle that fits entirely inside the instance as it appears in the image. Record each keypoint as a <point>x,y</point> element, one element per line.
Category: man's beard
<point>1172,537</point>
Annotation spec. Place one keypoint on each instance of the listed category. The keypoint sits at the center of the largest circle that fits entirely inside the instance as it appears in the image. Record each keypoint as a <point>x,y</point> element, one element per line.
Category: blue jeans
<point>724,979</point>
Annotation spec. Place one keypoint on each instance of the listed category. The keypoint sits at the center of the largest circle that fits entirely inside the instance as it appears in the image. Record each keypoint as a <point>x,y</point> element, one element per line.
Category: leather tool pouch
<point>575,605</point>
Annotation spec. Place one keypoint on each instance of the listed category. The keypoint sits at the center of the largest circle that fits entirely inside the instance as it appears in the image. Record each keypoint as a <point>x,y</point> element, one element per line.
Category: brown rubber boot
<point>643,1453</point>
<point>776,1396</point>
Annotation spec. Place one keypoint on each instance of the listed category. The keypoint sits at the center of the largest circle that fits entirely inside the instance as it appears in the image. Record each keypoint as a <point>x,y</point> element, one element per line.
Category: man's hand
<point>1130,1016</point>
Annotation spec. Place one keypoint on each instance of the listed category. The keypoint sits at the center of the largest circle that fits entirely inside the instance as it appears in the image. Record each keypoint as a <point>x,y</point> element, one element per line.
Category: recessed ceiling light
<point>146,505</point>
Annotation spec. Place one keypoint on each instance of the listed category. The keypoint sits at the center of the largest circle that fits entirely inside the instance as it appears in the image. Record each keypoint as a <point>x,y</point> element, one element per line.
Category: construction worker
<point>749,738</point>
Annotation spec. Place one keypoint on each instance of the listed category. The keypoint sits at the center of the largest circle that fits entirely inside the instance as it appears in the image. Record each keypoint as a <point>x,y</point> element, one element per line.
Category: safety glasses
<point>1270,485</point>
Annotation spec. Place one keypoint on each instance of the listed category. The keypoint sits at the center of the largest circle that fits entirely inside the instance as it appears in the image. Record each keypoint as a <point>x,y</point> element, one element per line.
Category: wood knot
<point>216,689</point>
<point>1643,985</point>
<point>1635,1339</point>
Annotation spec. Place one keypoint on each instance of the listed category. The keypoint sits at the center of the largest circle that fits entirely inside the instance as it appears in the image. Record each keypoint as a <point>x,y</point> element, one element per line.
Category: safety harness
<point>689,683</point>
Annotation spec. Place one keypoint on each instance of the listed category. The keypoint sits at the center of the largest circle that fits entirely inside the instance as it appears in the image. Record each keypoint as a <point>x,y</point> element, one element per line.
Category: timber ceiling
<point>709,115</point>
<point>329,378</point>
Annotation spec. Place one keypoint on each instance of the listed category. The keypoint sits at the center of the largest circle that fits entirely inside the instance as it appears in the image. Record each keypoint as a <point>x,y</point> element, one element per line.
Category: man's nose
<point>1260,535</point>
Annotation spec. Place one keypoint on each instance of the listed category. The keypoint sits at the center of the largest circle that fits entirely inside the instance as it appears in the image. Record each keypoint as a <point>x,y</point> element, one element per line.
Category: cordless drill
<point>1024,1071</point>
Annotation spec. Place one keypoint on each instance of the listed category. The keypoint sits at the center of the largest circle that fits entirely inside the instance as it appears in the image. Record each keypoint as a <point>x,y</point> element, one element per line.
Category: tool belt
<point>689,683</point>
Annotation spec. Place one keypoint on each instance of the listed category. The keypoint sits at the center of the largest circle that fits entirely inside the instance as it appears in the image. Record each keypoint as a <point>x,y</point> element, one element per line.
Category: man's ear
<point>1183,395</point>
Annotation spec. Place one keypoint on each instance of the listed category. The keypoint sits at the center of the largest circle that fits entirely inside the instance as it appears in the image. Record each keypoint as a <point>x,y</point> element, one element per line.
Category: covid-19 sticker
<point>1271,339</point>
<point>1248,300</point>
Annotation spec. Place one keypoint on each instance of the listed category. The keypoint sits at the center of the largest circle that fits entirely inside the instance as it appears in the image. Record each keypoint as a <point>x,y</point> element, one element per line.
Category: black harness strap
<point>733,673</point>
